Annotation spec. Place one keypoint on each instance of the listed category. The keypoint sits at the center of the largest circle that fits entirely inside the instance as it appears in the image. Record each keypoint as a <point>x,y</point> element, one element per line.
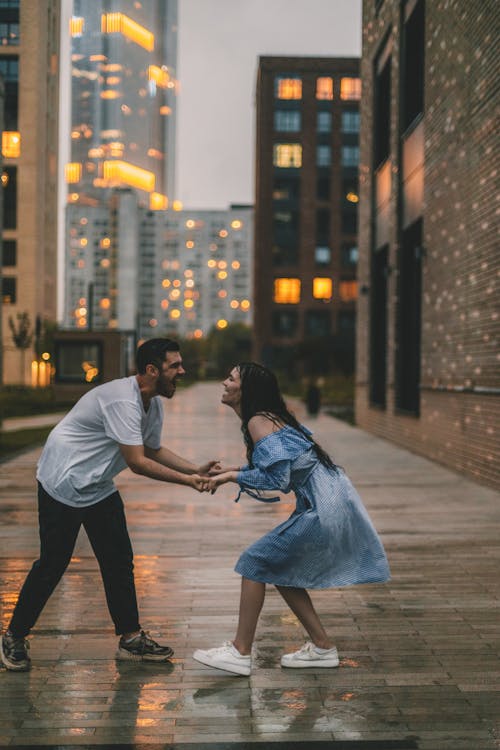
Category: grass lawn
<point>20,440</point>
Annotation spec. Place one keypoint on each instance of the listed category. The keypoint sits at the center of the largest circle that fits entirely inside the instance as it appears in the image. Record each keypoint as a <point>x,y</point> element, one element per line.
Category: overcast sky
<point>219,43</point>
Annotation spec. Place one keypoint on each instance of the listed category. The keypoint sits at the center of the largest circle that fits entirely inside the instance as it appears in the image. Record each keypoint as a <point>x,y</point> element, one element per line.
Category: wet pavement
<point>420,662</point>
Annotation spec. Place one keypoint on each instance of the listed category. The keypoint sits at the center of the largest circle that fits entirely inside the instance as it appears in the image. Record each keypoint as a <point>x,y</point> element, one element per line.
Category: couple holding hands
<point>328,541</point>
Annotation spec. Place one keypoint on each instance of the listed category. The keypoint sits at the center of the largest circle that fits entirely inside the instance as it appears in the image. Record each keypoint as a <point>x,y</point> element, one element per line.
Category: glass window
<point>287,155</point>
<point>287,88</point>
<point>324,122</point>
<point>285,322</point>
<point>382,106</point>
<point>322,255</point>
<point>287,291</point>
<point>286,188</point>
<point>323,227</point>
<point>322,288</point>
<point>317,322</point>
<point>349,255</point>
<point>413,66</point>
<point>350,89</point>
<point>350,121</point>
<point>9,253</point>
<point>287,121</point>
<point>9,290</point>
<point>9,22</point>
<point>9,70</point>
<point>78,362</point>
<point>323,156</point>
<point>348,291</point>
<point>346,321</point>
<point>349,222</point>
<point>324,88</point>
<point>9,183</point>
<point>323,188</point>
<point>350,156</point>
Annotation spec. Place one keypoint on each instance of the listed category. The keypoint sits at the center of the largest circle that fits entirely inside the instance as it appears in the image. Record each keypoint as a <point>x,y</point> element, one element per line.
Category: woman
<point>327,541</point>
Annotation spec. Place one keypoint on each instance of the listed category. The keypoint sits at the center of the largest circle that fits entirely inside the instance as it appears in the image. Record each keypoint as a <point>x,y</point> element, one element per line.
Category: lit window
<point>323,156</point>
<point>73,172</point>
<point>159,75</point>
<point>324,88</point>
<point>288,88</point>
<point>110,94</point>
<point>245,304</point>
<point>221,323</point>
<point>105,303</point>
<point>348,291</point>
<point>322,288</point>
<point>113,23</point>
<point>175,314</point>
<point>287,155</point>
<point>158,202</point>
<point>11,144</point>
<point>286,121</point>
<point>350,89</point>
<point>76,26</point>
<point>236,224</point>
<point>287,291</point>
<point>116,172</point>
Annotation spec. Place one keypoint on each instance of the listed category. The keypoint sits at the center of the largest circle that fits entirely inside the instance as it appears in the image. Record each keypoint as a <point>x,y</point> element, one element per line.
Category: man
<point>115,425</point>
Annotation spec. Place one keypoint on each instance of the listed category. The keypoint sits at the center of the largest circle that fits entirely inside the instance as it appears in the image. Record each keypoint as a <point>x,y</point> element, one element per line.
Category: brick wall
<point>460,388</point>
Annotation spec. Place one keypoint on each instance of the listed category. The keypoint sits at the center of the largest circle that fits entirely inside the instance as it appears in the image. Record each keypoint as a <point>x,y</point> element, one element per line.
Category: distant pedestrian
<point>115,425</point>
<point>328,540</point>
<point>313,398</point>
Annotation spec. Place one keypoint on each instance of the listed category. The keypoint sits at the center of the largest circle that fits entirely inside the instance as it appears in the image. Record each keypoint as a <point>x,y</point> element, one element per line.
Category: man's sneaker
<point>225,657</point>
<point>307,656</point>
<point>143,648</point>
<point>14,653</point>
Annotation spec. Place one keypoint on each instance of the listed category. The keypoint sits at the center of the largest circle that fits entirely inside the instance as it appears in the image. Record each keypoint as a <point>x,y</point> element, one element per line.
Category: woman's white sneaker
<point>308,656</point>
<point>225,657</point>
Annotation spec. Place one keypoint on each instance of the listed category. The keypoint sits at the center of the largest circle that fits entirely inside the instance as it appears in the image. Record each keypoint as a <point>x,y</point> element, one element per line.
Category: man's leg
<point>59,525</point>
<point>106,527</point>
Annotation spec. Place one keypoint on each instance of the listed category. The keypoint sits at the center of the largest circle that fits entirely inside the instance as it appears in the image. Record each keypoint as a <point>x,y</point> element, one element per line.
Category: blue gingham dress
<point>328,540</point>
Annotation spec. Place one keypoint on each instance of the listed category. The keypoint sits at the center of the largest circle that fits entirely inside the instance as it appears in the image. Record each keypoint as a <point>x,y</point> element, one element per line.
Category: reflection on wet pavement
<point>419,655</point>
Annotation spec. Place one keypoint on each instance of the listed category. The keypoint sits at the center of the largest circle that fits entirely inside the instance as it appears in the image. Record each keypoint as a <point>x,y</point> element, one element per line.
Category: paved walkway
<point>420,661</point>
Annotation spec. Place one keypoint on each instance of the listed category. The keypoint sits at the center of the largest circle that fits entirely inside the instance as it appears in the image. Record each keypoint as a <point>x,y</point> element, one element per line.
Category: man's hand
<point>209,468</point>
<point>202,484</point>
<point>218,469</point>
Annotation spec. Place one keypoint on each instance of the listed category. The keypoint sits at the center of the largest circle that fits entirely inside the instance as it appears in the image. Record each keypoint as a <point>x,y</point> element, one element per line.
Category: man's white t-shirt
<point>82,453</point>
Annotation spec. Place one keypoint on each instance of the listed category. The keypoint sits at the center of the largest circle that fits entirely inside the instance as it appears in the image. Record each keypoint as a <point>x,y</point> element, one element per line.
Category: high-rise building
<point>123,91</point>
<point>427,343</point>
<point>306,207</point>
<point>29,66</point>
<point>193,272</point>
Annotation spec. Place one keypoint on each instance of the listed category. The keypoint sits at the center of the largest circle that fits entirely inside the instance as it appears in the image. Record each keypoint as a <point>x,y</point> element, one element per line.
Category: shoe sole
<point>127,656</point>
<point>225,666</point>
<point>332,663</point>
<point>12,666</point>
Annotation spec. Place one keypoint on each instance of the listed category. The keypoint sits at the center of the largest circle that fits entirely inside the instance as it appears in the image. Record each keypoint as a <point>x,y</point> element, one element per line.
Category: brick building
<point>427,334</point>
<point>306,207</point>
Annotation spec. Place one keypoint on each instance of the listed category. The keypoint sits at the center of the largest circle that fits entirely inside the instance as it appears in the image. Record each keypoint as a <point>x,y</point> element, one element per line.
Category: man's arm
<point>168,458</point>
<point>141,463</point>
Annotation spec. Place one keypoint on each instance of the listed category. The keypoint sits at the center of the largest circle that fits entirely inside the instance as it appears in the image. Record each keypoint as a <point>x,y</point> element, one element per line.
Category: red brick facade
<point>450,189</point>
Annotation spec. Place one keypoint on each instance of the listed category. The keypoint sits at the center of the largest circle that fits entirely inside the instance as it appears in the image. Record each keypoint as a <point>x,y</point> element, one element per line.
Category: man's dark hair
<point>153,352</point>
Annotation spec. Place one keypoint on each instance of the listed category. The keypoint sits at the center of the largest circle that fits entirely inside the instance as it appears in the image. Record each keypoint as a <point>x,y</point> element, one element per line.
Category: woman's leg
<point>251,601</point>
<point>301,605</point>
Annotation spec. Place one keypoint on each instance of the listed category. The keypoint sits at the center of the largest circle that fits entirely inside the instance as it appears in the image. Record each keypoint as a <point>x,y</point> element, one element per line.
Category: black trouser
<point>106,529</point>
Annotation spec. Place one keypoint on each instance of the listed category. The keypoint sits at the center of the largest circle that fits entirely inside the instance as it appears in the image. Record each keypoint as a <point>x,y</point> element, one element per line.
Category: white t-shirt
<point>82,453</point>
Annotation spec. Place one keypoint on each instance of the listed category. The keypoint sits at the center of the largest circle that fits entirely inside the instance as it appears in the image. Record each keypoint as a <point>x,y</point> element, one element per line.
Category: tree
<point>22,336</point>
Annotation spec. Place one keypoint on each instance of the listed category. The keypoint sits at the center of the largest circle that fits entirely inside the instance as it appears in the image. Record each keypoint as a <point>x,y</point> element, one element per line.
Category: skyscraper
<point>123,89</point>
<point>29,65</point>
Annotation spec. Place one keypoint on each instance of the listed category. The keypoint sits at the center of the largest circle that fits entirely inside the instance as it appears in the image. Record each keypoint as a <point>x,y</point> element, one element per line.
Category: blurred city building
<point>192,271</point>
<point>307,155</point>
<point>29,66</point>
<point>122,154</point>
<point>427,343</point>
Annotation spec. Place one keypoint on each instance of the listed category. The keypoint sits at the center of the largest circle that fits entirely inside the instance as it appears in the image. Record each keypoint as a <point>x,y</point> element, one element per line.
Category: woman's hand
<point>218,469</point>
<point>216,481</point>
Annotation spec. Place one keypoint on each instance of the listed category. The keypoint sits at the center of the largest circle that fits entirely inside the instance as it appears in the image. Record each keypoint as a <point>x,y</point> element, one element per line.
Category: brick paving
<point>420,660</point>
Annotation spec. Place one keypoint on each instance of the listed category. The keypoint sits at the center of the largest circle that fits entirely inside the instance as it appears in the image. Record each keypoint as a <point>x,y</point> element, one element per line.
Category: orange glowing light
<point>11,144</point>
<point>73,172</point>
<point>221,323</point>
<point>119,172</point>
<point>119,23</point>
<point>158,202</point>
<point>286,291</point>
<point>322,288</point>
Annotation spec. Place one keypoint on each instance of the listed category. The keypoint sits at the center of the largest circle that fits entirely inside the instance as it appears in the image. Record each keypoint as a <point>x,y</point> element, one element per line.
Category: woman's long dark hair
<point>260,394</point>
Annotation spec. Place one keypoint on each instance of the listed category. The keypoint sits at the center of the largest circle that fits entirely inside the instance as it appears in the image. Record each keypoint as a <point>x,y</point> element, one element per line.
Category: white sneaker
<point>307,656</point>
<point>225,657</point>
